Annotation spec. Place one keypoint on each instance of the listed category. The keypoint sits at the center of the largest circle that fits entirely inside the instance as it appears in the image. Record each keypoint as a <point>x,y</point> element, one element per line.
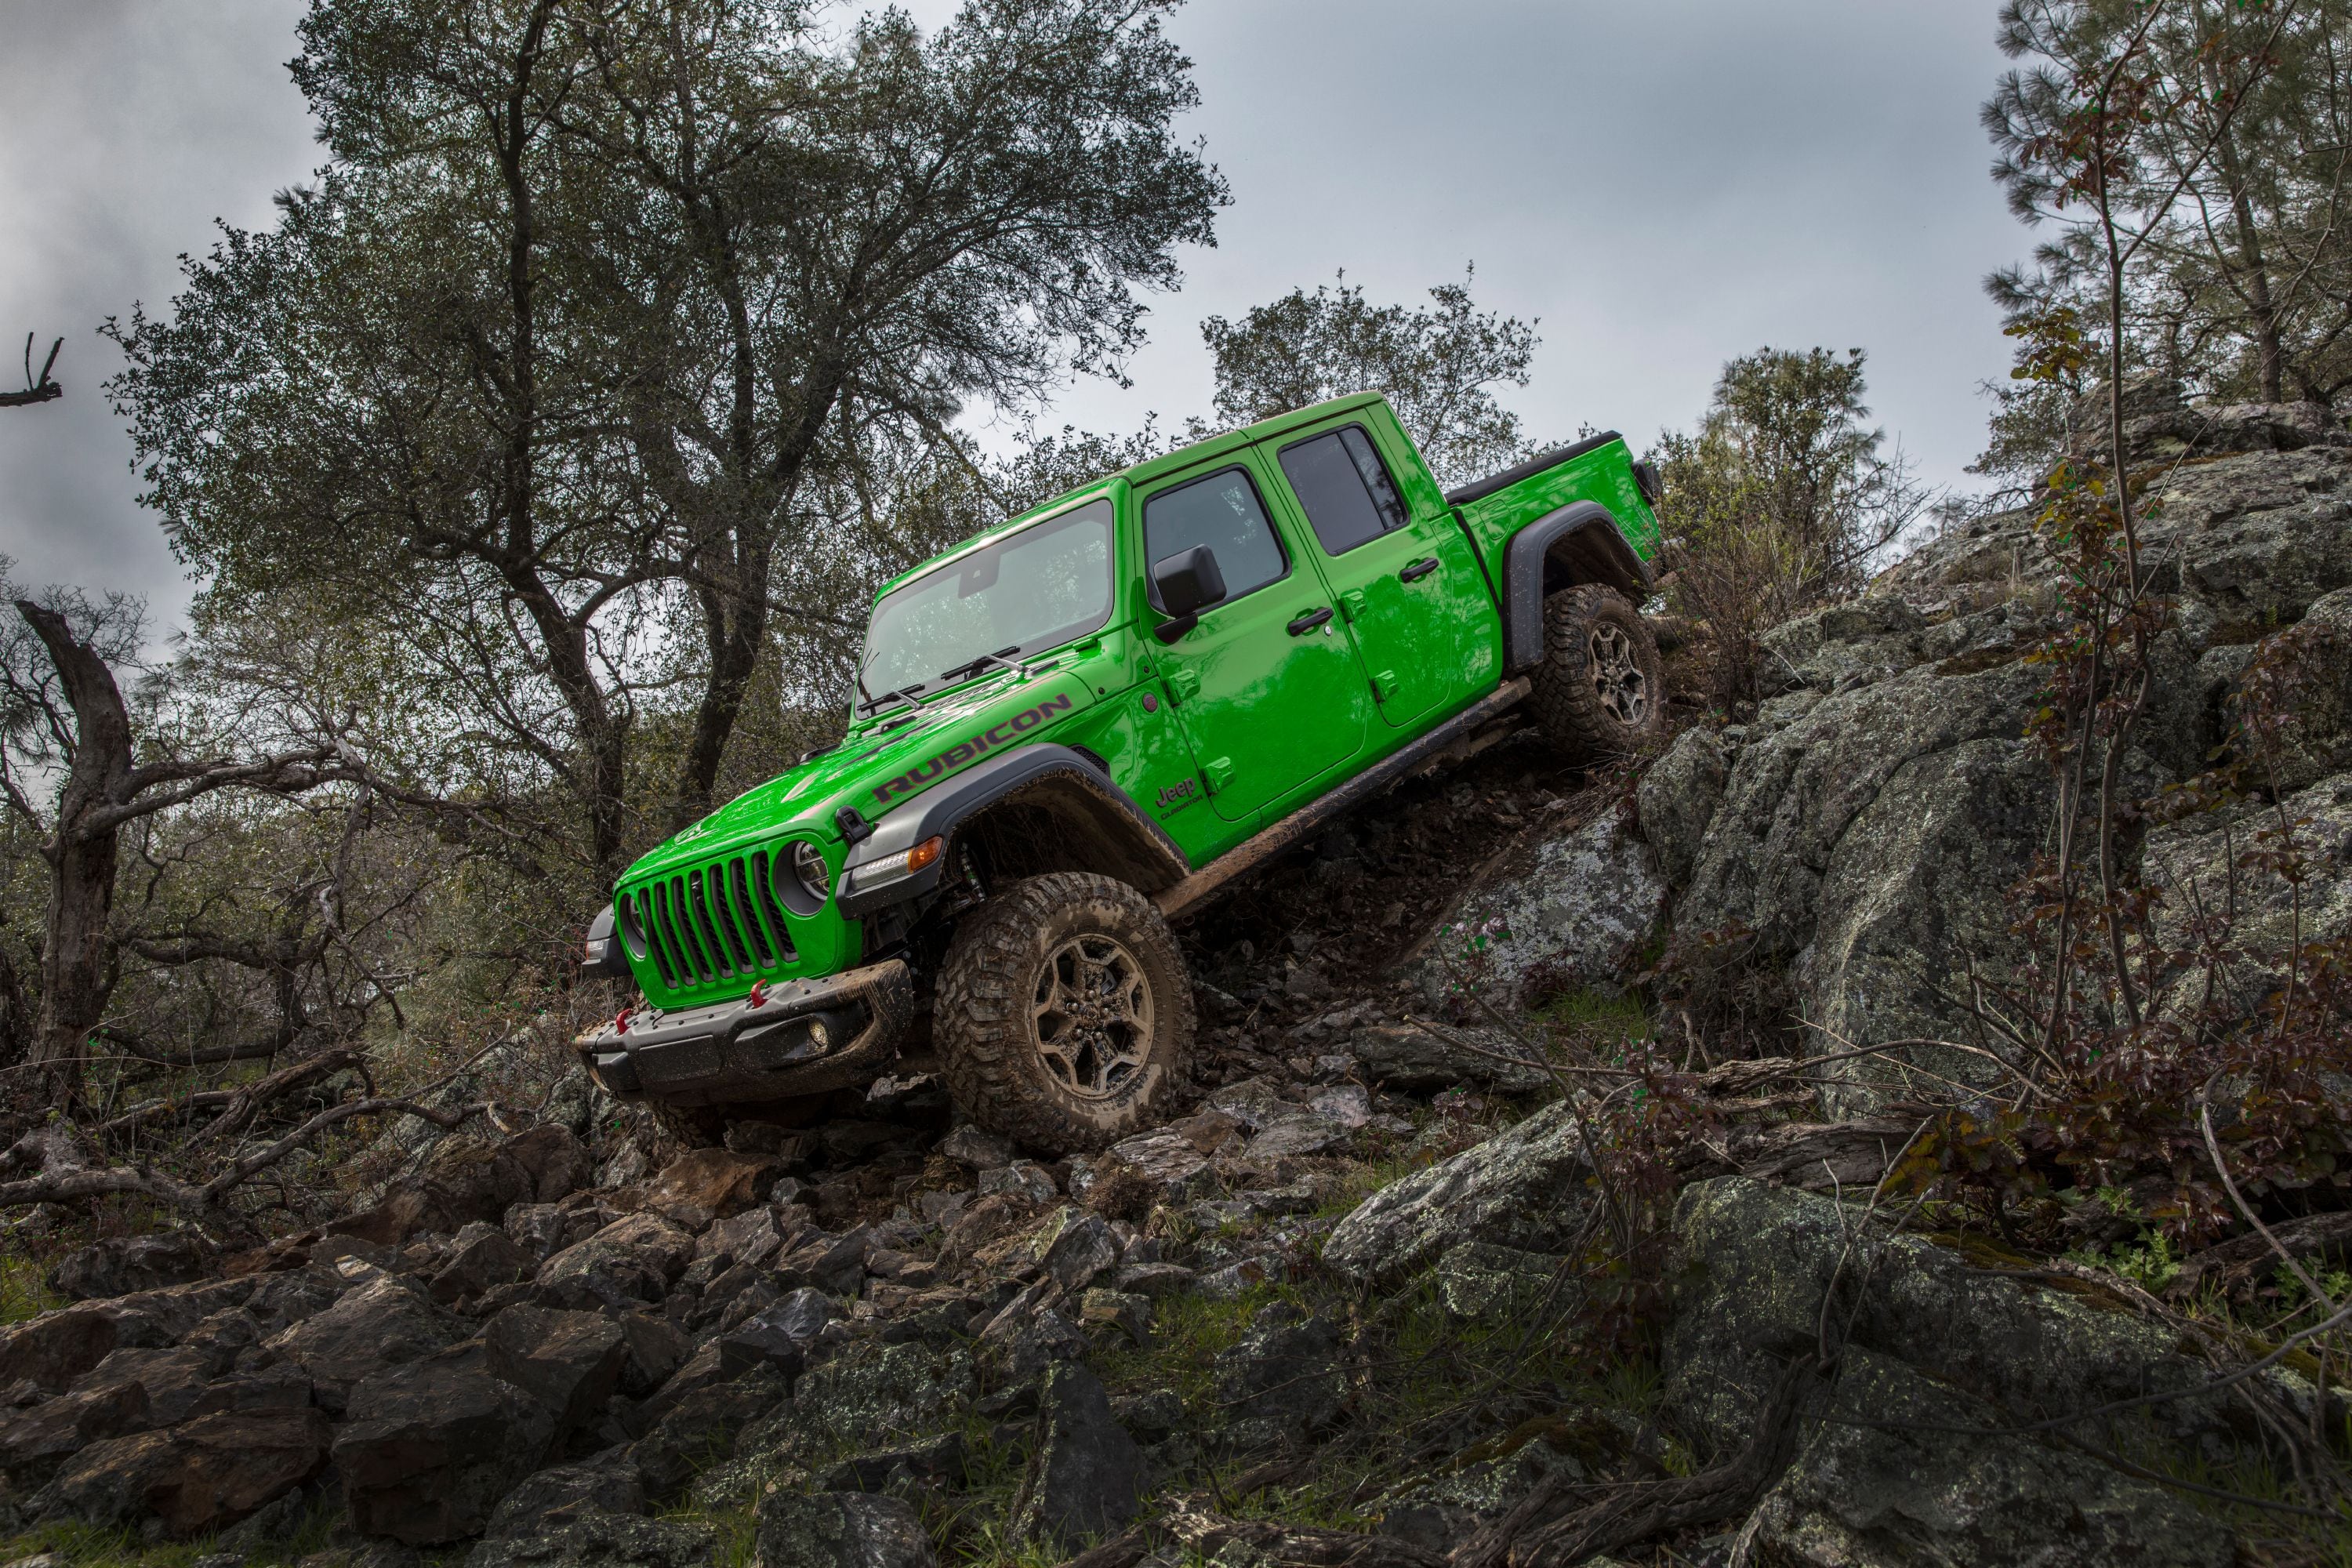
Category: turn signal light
<point>924,854</point>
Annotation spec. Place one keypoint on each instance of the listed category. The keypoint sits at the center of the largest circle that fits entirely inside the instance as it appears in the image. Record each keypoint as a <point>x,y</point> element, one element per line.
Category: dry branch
<point>37,388</point>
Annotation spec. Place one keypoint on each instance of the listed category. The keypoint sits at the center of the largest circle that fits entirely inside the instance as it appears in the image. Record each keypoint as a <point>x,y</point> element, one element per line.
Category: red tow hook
<point>621,1021</point>
<point>758,993</point>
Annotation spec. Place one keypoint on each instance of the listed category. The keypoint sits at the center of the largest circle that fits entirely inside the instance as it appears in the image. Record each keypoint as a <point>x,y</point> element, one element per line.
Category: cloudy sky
<point>1663,185</point>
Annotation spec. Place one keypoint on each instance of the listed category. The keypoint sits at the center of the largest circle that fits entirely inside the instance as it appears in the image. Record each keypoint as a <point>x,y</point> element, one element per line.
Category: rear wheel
<point>1599,692</point>
<point>1064,1016</point>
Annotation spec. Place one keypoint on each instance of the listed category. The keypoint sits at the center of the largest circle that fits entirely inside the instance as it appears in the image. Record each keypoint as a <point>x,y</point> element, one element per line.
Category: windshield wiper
<point>973,666</point>
<point>901,693</point>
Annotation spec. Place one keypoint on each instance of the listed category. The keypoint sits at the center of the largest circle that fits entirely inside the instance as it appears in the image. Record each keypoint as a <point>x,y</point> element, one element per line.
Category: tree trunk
<point>76,951</point>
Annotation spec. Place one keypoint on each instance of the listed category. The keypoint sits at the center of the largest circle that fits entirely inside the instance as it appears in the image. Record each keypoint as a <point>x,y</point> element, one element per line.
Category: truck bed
<point>1599,468</point>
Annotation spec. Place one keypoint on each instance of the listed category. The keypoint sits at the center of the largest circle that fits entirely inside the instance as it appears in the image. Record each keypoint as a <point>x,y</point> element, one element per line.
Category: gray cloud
<point>132,125</point>
<point>1664,185</point>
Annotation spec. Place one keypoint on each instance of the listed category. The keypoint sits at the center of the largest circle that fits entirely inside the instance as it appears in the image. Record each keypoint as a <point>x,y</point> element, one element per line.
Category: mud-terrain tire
<point>1600,689</point>
<point>1065,1015</point>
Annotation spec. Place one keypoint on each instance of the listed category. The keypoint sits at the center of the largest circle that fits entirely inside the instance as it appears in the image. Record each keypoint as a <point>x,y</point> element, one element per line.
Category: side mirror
<point>1187,584</point>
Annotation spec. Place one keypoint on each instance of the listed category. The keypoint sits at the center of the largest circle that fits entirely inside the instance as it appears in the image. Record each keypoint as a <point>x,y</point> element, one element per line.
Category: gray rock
<point>543,1230</point>
<point>1168,1160</point>
<point>1028,1180</point>
<point>969,1146</point>
<point>700,1430</point>
<point>1678,797</point>
<point>1748,1270</point>
<point>199,1477</point>
<point>1131,1315</point>
<point>483,1259</point>
<point>434,1444</point>
<point>604,1541</point>
<point>751,1238</point>
<point>655,1350</point>
<point>121,1265</point>
<point>779,1333</point>
<point>1865,848</point>
<point>2192,863</point>
<point>1400,1056</point>
<point>876,1391</point>
<point>833,1264</point>
<point>1237,1279</point>
<point>839,1530</point>
<point>1154,1280</point>
<point>1439,1511</point>
<point>1842,645</point>
<point>1085,1475</point>
<point>1484,1283</point>
<point>1084,1250</point>
<point>1865,1489</point>
<point>1571,913</point>
<point>1524,1187</point>
<point>1018,1345</point>
<point>555,1497</point>
<point>570,1361</point>
<point>2311,663</point>
<point>386,1322</point>
<point>1280,1385</point>
<point>631,1261</point>
<point>898,1467</point>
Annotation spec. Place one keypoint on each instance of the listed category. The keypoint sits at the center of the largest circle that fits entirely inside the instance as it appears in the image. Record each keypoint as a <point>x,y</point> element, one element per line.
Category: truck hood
<point>903,752</point>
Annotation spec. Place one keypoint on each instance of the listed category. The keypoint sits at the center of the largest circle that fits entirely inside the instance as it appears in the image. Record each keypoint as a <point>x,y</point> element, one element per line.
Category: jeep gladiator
<point>1076,726</point>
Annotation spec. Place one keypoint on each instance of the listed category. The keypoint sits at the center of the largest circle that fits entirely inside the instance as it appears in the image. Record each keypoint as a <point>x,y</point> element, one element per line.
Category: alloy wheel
<point>1617,674</point>
<point>1093,1016</point>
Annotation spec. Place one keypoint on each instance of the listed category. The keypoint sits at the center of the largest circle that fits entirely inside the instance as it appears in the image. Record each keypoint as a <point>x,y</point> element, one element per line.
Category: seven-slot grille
<point>713,922</point>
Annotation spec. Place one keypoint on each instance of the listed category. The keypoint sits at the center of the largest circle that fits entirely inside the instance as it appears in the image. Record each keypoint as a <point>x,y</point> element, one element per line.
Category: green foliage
<point>557,380</point>
<point>2218,131</point>
<point>1438,366</point>
<point>1780,500</point>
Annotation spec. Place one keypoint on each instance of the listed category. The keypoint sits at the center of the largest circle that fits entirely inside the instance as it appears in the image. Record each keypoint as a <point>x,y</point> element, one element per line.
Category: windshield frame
<point>1010,537</point>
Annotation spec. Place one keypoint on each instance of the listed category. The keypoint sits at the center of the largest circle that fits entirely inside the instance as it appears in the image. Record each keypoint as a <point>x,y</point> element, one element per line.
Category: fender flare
<point>1057,777</point>
<point>1583,538</point>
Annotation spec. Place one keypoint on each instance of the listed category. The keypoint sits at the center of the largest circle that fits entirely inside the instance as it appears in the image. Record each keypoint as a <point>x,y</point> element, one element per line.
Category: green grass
<point>25,1290</point>
<point>1598,1021</point>
<point>95,1546</point>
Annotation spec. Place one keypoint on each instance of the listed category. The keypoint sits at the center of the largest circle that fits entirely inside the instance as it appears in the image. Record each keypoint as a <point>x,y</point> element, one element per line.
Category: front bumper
<point>734,1053</point>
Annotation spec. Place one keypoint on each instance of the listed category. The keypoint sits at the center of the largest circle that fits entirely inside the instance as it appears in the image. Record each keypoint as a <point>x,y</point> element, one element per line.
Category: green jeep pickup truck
<point>1074,727</point>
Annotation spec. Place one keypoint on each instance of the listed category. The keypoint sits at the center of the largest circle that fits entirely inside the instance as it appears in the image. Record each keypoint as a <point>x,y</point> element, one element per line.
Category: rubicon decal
<point>962,752</point>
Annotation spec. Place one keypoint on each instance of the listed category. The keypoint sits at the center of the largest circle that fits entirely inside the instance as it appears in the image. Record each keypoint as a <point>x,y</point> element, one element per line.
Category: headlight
<point>808,870</point>
<point>891,867</point>
<point>799,876</point>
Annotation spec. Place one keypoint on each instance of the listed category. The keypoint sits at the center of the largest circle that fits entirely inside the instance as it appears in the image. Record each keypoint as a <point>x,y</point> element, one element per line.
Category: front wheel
<point>1064,1016</point>
<point>1600,691</point>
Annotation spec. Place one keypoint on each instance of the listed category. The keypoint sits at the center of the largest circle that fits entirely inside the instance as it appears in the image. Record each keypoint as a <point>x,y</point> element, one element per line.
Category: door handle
<point>1418,569</point>
<point>1309,621</point>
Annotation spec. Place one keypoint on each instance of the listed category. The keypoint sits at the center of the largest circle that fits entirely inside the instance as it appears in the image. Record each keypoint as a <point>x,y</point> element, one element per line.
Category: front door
<point>1270,695</point>
<point>1410,587</point>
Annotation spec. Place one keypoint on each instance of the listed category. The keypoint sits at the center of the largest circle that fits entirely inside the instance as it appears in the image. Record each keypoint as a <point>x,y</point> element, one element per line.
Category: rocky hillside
<point>1420,1276</point>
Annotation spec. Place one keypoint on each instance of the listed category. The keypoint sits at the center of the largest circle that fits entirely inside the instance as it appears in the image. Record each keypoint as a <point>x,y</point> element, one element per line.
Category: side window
<point>1346,492</point>
<point>1222,513</point>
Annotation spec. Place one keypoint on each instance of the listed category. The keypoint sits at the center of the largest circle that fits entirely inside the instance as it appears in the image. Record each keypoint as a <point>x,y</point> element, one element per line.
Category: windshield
<point>1027,592</point>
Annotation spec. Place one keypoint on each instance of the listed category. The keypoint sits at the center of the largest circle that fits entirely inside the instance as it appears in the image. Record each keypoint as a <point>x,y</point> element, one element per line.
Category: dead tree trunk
<point>77,967</point>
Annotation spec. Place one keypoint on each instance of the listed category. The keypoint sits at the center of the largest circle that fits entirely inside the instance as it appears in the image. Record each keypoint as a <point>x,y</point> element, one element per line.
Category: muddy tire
<point>1600,691</point>
<point>1065,1015</point>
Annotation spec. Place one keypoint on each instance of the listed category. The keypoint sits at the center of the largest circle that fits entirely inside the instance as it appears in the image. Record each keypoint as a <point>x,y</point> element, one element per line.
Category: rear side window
<point>1222,513</point>
<point>1345,490</point>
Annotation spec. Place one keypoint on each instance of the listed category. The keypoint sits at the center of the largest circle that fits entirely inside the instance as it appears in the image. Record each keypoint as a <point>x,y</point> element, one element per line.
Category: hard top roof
<point>1144,472</point>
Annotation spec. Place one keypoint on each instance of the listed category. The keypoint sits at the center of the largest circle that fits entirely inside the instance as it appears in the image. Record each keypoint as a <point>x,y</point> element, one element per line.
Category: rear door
<point>1270,696</point>
<point>1408,586</point>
